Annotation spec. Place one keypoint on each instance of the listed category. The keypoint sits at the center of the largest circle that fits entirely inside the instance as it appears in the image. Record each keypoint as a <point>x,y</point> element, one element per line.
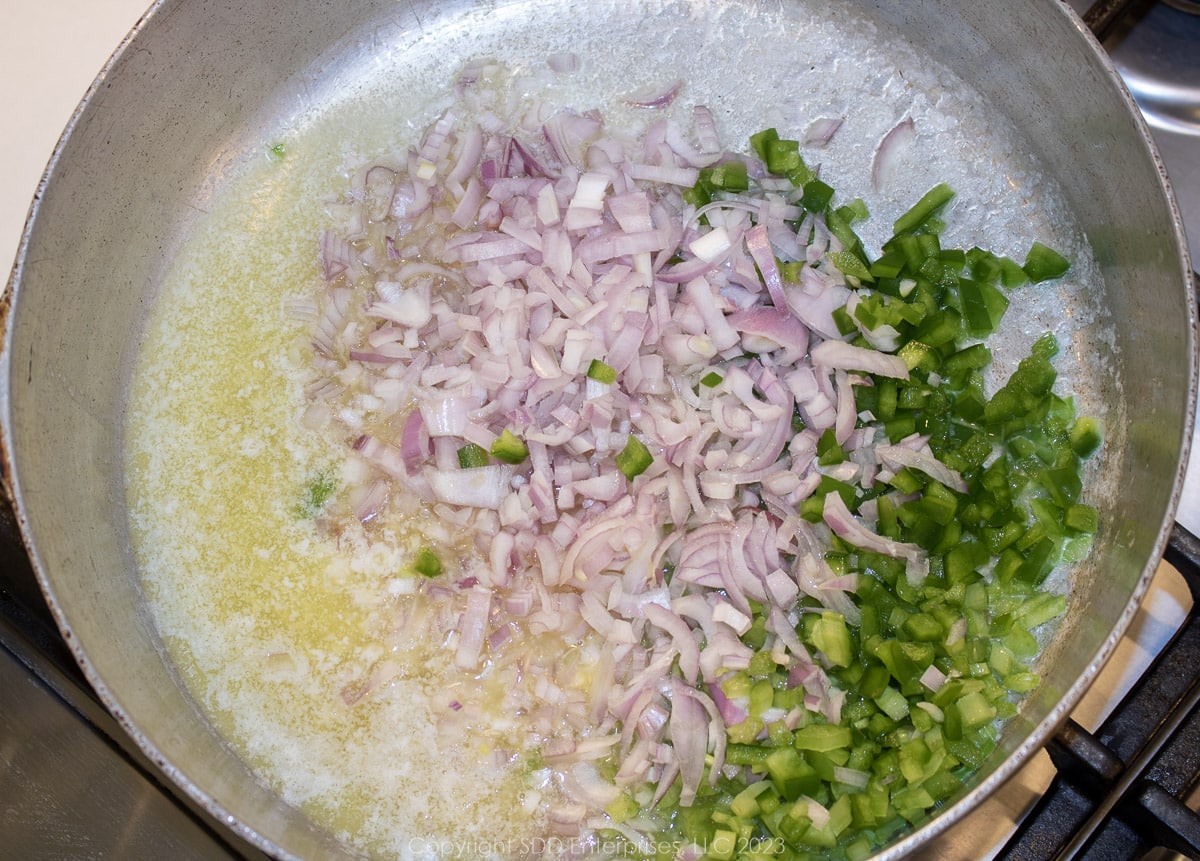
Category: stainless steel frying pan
<point>202,82</point>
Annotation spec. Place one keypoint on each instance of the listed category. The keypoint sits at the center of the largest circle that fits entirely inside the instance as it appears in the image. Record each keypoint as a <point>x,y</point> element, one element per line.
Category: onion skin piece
<point>845,526</point>
<point>842,356</point>
<point>889,151</point>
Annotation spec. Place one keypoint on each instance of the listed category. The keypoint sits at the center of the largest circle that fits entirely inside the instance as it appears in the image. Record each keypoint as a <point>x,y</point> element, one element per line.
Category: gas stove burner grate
<point>1118,791</point>
<point>1192,7</point>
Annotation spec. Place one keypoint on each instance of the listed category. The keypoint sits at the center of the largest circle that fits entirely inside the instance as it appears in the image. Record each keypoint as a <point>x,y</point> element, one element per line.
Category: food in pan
<point>629,501</point>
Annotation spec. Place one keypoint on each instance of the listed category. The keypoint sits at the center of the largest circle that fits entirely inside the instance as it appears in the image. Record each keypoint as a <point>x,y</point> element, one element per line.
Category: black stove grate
<point>1119,792</point>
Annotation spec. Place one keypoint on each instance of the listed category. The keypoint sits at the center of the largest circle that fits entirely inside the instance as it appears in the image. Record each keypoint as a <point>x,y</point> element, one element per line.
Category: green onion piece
<point>1043,263</point>
<point>601,372</point>
<point>427,564</point>
<point>634,459</point>
<point>276,152</point>
<point>471,456</point>
<point>924,209</point>
<point>508,447</point>
<point>712,379</point>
